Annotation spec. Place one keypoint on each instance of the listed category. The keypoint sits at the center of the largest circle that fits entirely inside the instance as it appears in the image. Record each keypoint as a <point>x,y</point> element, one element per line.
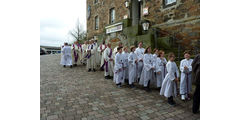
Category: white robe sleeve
<point>146,62</point>
<point>177,71</point>
<point>181,66</point>
<point>190,67</point>
<point>170,71</point>
<point>118,64</point>
<point>130,59</point>
<point>106,55</point>
<point>158,61</point>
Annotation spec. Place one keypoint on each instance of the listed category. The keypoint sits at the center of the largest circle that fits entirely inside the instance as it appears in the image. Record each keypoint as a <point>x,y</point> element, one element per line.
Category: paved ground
<point>74,94</point>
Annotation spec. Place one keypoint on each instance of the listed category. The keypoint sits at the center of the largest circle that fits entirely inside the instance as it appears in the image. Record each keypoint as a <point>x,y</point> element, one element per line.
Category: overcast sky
<point>58,18</point>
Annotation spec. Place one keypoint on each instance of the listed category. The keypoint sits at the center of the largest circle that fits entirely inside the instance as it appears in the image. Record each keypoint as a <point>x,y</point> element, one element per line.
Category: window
<point>95,1</point>
<point>112,16</point>
<point>96,23</point>
<point>167,2</point>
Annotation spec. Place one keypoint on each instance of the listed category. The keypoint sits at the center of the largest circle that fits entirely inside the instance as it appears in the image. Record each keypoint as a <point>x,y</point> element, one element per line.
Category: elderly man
<point>76,53</point>
<point>101,49</point>
<point>67,56</point>
<point>108,62</point>
<point>91,60</point>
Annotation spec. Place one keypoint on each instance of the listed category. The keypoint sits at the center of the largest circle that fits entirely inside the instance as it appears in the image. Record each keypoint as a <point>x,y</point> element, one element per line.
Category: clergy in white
<point>140,53</point>
<point>67,55</point>
<point>108,62</point>
<point>132,63</point>
<point>186,76</point>
<point>118,68</point>
<point>84,53</point>
<point>101,49</point>
<point>76,53</point>
<point>91,64</point>
<point>147,72</point>
<point>162,66</point>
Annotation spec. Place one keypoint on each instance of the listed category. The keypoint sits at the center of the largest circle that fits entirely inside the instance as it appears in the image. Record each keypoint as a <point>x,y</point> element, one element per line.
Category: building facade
<point>165,24</point>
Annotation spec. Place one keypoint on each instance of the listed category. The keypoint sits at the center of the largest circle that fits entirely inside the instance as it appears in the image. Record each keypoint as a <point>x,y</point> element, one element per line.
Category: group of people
<point>137,66</point>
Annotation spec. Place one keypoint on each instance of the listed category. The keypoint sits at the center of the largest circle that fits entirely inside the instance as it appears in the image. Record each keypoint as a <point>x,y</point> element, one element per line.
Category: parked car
<point>43,51</point>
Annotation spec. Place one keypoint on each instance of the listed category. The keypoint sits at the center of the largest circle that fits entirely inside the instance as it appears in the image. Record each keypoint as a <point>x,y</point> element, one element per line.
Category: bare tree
<point>78,33</point>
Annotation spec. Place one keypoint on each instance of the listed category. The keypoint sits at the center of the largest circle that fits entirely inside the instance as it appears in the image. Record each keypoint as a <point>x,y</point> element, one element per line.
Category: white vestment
<point>67,56</point>
<point>169,87</point>
<point>97,58</point>
<point>157,70</point>
<point>84,53</point>
<point>101,49</point>
<point>154,80</point>
<point>76,53</point>
<point>108,64</point>
<point>118,68</point>
<point>140,53</point>
<point>147,72</point>
<point>91,64</point>
<point>115,52</point>
<point>125,65</point>
<point>132,67</point>
<point>62,56</point>
<point>186,76</point>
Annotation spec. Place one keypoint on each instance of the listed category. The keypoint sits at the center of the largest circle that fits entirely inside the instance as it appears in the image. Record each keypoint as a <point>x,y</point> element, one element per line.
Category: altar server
<point>186,76</point>
<point>148,67</point>
<point>118,68</point>
<point>91,64</point>
<point>101,49</point>
<point>140,53</point>
<point>169,86</point>
<point>108,62</point>
<point>67,56</point>
<point>125,55</point>
<point>132,60</point>
<point>155,56</point>
<point>162,68</point>
<point>115,49</point>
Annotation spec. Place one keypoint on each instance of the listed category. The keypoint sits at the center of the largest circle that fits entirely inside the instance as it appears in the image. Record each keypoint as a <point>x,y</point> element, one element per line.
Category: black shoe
<point>107,77</point>
<point>71,66</point>
<point>89,70</point>
<point>94,70</point>
<point>64,66</point>
<point>111,77</point>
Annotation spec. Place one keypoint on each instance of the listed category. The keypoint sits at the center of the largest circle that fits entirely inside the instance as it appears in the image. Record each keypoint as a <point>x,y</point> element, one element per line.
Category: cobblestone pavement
<point>75,94</point>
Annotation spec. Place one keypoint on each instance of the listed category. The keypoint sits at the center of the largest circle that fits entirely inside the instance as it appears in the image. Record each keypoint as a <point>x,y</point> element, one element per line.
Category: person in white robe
<point>118,68</point>
<point>67,55</point>
<point>97,59</point>
<point>154,80</point>
<point>140,53</point>
<point>186,76</point>
<point>84,53</point>
<point>132,63</point>
<point>76,53</point>
<point>125,55</point>
<point>169,86</point>
<point>162,68</point>
<point>101,49</point>
<point>108,62</point>
<point>91,64</point>
<point>115,49</point>
<point>62,56</point>
<point>148,68</point>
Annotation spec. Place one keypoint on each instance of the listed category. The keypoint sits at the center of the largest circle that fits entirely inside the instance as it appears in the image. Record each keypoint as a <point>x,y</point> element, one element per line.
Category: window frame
<point>95,1</point>
<point>112,15</point>
<point>169,4</point>
<point>96,18</point>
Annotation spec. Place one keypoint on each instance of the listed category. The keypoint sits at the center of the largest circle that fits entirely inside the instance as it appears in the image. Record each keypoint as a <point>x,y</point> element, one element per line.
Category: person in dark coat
<point>196,78</point>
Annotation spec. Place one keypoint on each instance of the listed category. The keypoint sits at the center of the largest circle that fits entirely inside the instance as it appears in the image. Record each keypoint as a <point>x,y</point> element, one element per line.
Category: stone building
<point>172,25</point>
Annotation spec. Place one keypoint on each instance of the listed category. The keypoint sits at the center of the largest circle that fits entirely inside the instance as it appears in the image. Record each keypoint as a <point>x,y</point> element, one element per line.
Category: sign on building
<point>145,11</point>
<point>114,28</point>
